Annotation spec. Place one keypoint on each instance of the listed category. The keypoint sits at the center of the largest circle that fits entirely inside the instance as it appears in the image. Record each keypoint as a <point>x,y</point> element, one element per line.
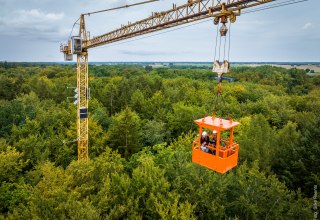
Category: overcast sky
<point>32,30</point>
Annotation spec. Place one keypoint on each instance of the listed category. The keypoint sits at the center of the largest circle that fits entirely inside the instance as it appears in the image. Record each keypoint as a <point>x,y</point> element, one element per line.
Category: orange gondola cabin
<point>221,154</point>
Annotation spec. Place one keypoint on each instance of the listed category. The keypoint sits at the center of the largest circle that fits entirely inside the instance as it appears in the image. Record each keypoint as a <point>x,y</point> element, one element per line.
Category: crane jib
<point>187,13</point>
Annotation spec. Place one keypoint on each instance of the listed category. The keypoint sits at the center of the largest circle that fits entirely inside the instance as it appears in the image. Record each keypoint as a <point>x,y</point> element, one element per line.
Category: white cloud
<point>33,17</point>
<point>32,23</point>
<point>307,26</point>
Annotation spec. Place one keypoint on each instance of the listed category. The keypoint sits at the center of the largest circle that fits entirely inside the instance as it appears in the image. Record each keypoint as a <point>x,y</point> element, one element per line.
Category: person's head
<point>214,132</point>
<point>204,134</point>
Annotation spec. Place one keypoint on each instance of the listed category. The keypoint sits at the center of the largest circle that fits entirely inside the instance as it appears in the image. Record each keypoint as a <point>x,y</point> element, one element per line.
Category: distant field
<point>303,66</point>
<point>315,68</point>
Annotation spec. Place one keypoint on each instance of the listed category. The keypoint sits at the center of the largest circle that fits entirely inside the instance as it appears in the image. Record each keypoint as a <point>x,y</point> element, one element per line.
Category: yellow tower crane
<point>193,10</point>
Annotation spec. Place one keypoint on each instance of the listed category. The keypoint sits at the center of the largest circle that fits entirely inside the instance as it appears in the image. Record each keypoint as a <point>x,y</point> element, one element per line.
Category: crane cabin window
<point>76,45</point>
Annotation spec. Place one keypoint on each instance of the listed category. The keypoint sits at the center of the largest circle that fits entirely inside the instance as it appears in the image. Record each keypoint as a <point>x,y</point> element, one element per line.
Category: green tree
<point>148,68</point>
<point>99,113</point>
<point>182,118</point>
<point>257,142</point>
<point>295,162</point>
<point>154,132</point>
<point>42,86</point>
<point>12,187</point>
<point>138,102</point>
<point>109,96</point>
<point>125,132</point>
<point>54,198</point>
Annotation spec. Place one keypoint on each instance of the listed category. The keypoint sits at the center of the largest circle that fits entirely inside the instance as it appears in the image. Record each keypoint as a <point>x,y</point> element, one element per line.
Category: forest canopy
<point>140,133</point>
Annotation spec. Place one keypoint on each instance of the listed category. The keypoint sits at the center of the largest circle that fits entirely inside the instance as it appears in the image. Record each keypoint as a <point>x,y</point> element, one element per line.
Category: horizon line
<point>202,62</point>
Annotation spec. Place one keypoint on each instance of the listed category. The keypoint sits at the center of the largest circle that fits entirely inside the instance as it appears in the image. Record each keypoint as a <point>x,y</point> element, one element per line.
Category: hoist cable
<point>120,7</point>
<point>280,4</point>
<point>219,47</point>
<point>215,48</point>
<point>229,41</point>
<point>224,48</point>
<point>219,100</point>
<point>74,24</point>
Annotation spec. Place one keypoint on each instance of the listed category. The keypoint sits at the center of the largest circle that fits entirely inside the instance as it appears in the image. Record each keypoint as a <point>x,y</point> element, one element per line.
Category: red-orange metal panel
<point>213,162</point>
<point>216,123</point>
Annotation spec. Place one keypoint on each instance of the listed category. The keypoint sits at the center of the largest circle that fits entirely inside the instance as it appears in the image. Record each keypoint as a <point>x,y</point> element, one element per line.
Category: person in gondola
<point>213,142</point>
<point>204,141</point>
<point>214,138</point>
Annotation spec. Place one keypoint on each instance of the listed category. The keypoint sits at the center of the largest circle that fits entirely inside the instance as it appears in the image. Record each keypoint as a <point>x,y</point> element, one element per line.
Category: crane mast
<point>83,96</point>
<point>194,10</point>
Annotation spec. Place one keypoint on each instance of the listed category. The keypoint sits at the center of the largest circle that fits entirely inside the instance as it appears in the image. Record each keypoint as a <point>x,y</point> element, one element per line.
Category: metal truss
<point>82,118</point>
<point>82,105</point>
<point>192,11</point>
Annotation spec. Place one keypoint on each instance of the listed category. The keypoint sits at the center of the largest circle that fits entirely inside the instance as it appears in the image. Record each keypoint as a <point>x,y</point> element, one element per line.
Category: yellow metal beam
<point>82,106</point>
<point>190,12</point>
<point>82,86</point>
